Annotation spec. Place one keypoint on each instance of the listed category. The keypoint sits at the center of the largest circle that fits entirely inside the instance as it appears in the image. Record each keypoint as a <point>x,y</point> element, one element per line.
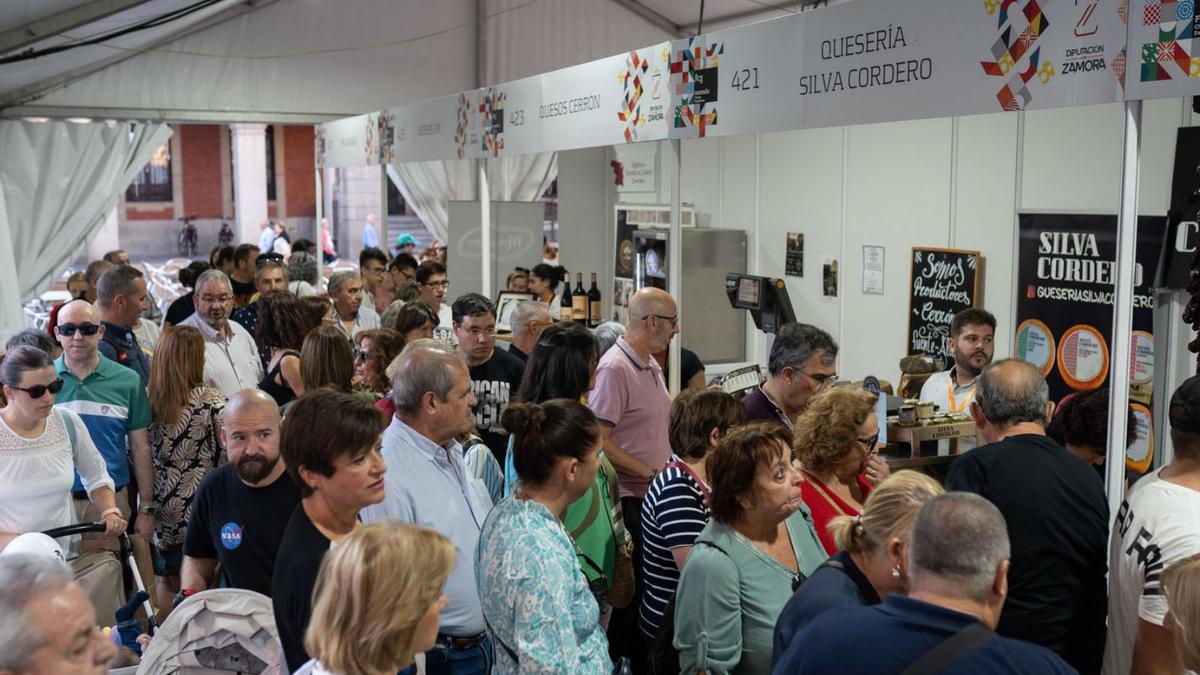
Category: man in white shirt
<point>370,236</point>
<point>266,238</point>
<point>231,361</point>
<point>1158,524</point>
<point>346,292</point>
<point>431,388</point>
<point>972,341</point>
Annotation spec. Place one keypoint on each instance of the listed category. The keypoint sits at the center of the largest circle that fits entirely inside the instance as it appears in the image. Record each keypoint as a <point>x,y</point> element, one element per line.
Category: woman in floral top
<point>184,431</point>
<point>536,600</point>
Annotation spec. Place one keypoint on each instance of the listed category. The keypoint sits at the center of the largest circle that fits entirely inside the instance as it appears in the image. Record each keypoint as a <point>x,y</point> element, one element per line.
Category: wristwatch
<point>148,510</point>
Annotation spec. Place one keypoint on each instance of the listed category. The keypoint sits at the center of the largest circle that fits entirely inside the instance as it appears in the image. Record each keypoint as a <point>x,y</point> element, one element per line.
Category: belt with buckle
<point>457,643</point>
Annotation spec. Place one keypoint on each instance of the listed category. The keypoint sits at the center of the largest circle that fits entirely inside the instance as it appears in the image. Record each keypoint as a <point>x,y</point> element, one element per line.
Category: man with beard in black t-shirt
<point>241,509</point>
<point>495,374</point>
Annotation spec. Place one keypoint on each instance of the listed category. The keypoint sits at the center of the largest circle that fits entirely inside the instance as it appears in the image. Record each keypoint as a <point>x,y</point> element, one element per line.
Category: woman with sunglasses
<point>373,352</point>
<point>41,448</point>
<point>836,439</point>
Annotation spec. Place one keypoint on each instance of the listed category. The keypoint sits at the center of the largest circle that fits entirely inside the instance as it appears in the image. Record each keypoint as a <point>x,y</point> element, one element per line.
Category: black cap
<point>1185,406</point>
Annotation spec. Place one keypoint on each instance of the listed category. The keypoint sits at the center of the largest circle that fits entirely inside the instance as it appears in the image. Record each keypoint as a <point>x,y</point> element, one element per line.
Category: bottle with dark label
<point>579,300</point>
<point>566,305</point>
<point>594,304</point>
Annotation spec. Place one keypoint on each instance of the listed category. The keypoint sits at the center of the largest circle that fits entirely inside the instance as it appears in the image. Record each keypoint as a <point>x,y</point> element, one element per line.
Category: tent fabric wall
<point>428,187</point>
<point>58,181</point>
<point>228,70</point>
<point>554,34</point>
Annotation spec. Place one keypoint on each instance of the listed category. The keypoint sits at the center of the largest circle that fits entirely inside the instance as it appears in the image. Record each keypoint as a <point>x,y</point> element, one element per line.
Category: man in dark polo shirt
<point>241,509</point>
<point>121,299</point>
<point>957,577</point>
<point>803,363</point>
<point>1056,512</point>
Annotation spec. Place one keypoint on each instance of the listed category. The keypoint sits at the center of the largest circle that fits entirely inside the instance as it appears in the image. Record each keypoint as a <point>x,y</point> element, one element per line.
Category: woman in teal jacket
<point>741,572</point>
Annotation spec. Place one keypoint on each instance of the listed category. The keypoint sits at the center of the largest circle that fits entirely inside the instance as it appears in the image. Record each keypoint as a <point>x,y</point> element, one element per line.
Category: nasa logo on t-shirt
<point>231,536</point>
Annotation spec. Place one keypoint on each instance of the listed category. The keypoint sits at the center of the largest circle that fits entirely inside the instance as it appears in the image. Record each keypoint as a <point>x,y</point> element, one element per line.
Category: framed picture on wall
<point>506,302</point>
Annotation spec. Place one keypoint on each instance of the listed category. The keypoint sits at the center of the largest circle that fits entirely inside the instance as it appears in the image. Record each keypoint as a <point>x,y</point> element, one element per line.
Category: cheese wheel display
<point>1083,357</point>
<point>1141,358</point>
<point>1140,454</point>
<point>1035,345</point>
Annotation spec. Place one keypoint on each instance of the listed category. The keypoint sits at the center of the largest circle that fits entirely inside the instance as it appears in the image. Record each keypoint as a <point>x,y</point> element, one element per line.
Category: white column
<point>1122,327</point>
<point>249,179</point>
<point>107,238</point>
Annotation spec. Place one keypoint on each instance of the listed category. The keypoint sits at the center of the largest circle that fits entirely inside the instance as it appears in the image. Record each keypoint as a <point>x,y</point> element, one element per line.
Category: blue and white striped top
<point>673,514</point>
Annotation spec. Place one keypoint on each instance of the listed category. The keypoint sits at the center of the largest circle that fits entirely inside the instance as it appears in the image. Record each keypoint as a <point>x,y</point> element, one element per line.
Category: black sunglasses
<point>39,390</point>
<point>68,329</point>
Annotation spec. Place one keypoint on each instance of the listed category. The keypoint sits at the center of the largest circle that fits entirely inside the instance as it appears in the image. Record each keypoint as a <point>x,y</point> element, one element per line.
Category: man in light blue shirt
<point>431,389</point>
<point>266,238</point>
<point>370,234</point>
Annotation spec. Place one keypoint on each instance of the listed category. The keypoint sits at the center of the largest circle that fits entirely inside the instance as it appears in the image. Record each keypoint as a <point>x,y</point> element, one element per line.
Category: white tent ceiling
<point>311,60</point>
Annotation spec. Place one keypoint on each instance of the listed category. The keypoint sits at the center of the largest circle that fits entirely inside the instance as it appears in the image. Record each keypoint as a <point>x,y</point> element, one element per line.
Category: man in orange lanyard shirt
<point>972,339</point>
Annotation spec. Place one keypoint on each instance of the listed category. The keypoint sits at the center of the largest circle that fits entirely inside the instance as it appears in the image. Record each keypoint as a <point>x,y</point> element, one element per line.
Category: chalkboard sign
<point>944,282</point>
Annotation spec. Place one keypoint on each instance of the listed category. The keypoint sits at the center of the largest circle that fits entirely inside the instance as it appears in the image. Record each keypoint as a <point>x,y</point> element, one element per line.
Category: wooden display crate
<point>917,446</point>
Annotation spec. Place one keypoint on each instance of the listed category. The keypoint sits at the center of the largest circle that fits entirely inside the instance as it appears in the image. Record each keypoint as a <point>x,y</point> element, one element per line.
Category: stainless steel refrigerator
<point>708,325</point>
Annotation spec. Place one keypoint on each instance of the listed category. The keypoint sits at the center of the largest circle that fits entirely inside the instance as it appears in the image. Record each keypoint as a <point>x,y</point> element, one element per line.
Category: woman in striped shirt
<point>674,510</point>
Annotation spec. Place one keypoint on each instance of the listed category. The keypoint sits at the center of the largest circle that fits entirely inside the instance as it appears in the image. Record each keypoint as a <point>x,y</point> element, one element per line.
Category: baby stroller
<point>222,630</point>
<point>107,582</point>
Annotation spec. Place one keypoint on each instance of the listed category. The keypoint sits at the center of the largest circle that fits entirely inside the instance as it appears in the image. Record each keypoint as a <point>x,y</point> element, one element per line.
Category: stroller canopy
<point>224,630</point>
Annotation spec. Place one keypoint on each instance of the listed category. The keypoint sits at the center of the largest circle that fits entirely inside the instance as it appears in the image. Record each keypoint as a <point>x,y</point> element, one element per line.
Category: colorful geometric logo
<point>633,81</point>
<point>694,84</point>
<point>1011,54</point>
<point>462,112</point>
<point>1169,57</point>
<point>387,136</point>
<point>491,110</point>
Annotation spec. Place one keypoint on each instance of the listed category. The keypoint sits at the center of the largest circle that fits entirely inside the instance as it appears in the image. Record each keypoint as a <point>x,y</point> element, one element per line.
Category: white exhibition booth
<point>869,123</point>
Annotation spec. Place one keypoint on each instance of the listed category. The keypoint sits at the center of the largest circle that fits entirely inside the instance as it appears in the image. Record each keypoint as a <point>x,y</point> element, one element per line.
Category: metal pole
<point>317,225</point>
<point>1118,377</point>
<point>675,264</point>
<point>485,230</point>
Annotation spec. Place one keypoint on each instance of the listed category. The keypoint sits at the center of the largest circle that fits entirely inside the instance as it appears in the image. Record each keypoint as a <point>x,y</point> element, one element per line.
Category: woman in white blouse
<point>41,447</point>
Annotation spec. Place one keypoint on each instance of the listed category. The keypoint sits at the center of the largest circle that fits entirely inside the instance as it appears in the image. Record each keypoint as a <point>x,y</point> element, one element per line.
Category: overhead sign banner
<point>617,100</point>
<point>349,142</point>
<point>866,61</point>
<point>879,61</point>
<point>431,130</point>
<point>1066,278</point>
<point>506,126</point>
<point>1164,49</point>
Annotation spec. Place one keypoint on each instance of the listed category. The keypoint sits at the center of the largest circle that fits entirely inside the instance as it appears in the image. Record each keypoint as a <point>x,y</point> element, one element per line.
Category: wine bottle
<point>579,300</point>
<point>594,304</point>
<point>566,305</point>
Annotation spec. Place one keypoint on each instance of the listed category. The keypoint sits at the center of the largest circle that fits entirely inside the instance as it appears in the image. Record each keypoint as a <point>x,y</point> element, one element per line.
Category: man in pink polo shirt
<point>631,400</point>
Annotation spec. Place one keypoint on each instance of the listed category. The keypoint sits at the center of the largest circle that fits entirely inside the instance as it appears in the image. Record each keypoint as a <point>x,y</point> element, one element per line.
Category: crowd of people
<point>415,498</point>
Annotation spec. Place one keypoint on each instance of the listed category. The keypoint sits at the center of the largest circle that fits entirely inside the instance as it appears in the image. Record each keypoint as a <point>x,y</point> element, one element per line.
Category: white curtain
<point>429,186</point>
<point>58,181</point>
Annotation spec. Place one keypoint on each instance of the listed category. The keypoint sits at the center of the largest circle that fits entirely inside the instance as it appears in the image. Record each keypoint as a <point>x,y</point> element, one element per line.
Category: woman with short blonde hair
<point>871,564</point>
<point>836,439</point>
<point>1181,585</point>
<point>378,600</point>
